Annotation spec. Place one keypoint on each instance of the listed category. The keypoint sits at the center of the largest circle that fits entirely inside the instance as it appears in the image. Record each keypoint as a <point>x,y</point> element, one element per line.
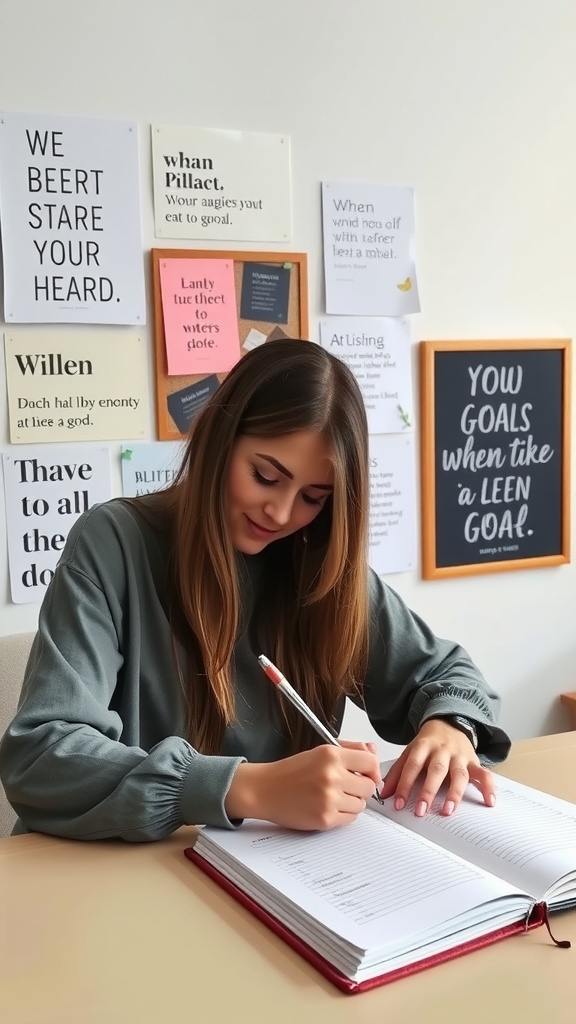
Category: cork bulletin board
<point>179,398</point>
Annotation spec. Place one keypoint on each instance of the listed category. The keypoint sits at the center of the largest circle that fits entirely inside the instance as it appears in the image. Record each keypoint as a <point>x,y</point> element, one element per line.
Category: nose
<point>279,509</point>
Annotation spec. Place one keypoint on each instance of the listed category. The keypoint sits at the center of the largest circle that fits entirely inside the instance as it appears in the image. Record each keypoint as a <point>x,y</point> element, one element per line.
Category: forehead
<point>306,454</point>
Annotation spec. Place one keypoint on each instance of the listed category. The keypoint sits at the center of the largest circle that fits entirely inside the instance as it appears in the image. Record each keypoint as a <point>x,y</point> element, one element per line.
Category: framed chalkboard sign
<point>495,443</point>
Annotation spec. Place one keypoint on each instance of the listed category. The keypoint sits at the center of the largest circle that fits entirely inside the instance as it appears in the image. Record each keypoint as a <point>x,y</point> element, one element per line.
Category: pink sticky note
<point>200,317</point>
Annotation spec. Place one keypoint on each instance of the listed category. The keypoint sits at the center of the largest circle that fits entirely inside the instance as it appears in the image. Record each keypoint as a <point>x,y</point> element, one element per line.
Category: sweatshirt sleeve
<point>414,675</point>
<point>68,762</point>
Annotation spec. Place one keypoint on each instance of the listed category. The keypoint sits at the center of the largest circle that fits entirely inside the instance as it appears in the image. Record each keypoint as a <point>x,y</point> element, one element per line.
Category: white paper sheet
<point>393,541</point>
<point>70,212</point>
<point>149,467</point>
<point>378,353</point>
<point>369,243</point>
<point>212,183</point>
<point>45,491</point>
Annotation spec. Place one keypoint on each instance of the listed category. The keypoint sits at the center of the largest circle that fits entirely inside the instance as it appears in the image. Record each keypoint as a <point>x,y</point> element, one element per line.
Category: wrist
<point>462,724</point>
<point>243,799</point>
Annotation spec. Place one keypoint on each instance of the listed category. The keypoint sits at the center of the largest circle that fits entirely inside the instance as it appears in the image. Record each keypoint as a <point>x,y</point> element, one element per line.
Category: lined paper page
<point>347,882</point>
<point>373,882</point>
<point>528,838</point>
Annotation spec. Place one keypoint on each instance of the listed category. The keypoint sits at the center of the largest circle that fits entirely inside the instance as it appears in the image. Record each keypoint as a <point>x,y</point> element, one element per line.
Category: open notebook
<point>392,894</point>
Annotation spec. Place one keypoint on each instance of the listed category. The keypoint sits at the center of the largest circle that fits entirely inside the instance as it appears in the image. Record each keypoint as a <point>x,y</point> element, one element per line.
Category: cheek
<point>307,514</point>
<point>240,486</point>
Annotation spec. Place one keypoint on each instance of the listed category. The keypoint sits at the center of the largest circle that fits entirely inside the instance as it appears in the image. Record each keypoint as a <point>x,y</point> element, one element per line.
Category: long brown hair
<point>312,617</point>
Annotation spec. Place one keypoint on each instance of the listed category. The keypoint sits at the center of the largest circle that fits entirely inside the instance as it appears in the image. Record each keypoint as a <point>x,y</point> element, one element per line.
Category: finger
<point>483,779</point>
<point>391,780</point>
<point>459,779</point>
<point>348,809</point>
<point>371,748</point>
<point>354,745</point>
<point>363,762</point>
<point>350,804</point>
<point>374,750</point>
<point>359,786</point>
<point>411,769</point>
<point>438,768</point>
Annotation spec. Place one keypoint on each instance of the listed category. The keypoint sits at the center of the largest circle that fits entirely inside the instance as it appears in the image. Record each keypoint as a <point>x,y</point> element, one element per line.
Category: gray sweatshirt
<point>96,749</point>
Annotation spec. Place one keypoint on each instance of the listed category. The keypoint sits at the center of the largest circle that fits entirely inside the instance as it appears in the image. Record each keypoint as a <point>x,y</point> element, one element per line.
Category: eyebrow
<point>282,469</point>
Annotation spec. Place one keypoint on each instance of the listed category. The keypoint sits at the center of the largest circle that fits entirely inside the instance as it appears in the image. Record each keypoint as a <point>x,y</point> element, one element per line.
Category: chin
<point>250,545</point>
<point>251,549</point>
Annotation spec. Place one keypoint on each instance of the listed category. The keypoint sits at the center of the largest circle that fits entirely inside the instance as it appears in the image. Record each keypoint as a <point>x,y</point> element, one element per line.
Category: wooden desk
<point>103,933</point>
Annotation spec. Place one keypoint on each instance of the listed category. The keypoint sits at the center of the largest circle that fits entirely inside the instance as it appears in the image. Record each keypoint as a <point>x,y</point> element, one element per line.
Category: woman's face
<point>276,486</point>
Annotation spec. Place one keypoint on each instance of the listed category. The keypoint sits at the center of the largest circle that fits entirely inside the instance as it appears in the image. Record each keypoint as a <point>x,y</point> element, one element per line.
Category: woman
<point>144,707</point>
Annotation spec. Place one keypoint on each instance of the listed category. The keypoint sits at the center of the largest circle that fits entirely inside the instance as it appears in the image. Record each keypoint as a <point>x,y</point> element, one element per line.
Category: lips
<point>260,529</point>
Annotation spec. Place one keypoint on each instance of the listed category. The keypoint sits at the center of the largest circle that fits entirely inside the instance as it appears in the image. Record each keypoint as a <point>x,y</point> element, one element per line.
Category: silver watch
<point>465,726</point>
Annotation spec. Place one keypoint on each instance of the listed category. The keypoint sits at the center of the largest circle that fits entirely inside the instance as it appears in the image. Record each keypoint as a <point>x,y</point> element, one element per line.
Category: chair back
<point>14,651</point>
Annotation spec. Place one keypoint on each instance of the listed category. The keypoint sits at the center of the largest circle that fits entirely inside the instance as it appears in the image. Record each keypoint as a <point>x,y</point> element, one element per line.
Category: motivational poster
<point>212,183</point>
<point>46,489</point>
<point>185,403</point>
<point>265,293</point>
<point>200,317</point>
<point>369,243</point>
<point>76,387</point>
<point>495,438</point>
<point>392,538</point>
<point>378,352</point>
<point>149,467</point>
<point>70,217</point>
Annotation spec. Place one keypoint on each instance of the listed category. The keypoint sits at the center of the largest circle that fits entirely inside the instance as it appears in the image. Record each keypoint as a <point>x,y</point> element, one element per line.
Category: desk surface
<point>103,933</point>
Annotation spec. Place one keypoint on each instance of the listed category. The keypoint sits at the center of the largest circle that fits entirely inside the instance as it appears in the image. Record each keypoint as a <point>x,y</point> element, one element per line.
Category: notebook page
<point>373,883</point>
<point>528,838</point>
<point>359,963</point>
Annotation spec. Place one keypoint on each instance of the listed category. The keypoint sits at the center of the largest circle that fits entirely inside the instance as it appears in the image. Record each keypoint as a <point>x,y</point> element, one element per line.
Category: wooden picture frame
<point>296,325</point>
<point>495,455</point>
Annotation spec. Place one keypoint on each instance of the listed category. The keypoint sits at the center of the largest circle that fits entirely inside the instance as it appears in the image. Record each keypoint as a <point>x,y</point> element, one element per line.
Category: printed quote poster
<point>378,352</point>
<point>369,243</point>
<point>76,387</point>
<point>392,542</point>
<point>150,467</point>
<point>200,318</point>
<point>46,489</point>
<point>212,183</point>
<point>70,216</point>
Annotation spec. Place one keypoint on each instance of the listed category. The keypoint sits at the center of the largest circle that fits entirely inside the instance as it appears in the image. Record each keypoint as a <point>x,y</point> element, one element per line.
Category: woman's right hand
<point>318,789</point>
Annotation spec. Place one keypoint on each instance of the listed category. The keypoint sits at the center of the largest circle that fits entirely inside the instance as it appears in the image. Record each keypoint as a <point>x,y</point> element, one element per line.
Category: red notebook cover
<point>537,918</point>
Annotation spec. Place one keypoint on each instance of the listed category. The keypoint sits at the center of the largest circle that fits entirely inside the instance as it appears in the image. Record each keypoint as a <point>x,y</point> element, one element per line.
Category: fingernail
<point>449,807</point>
<point>421,808</point>
<point>491,799</point>
<point>399,803</point>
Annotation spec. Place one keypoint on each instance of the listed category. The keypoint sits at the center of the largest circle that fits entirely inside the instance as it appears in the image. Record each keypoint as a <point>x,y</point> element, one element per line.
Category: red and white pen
<point>284,686</point>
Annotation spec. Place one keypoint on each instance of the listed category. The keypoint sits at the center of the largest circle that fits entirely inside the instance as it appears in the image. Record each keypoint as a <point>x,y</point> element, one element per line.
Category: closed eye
<point>262,479</point>
<point>266,482</point>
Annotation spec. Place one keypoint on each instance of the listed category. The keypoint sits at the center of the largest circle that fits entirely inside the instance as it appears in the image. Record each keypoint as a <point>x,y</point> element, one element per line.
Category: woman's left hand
<point>443,753</point>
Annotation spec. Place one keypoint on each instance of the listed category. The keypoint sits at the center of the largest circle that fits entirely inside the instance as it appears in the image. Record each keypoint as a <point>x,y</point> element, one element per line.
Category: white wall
<point>470,101</point>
